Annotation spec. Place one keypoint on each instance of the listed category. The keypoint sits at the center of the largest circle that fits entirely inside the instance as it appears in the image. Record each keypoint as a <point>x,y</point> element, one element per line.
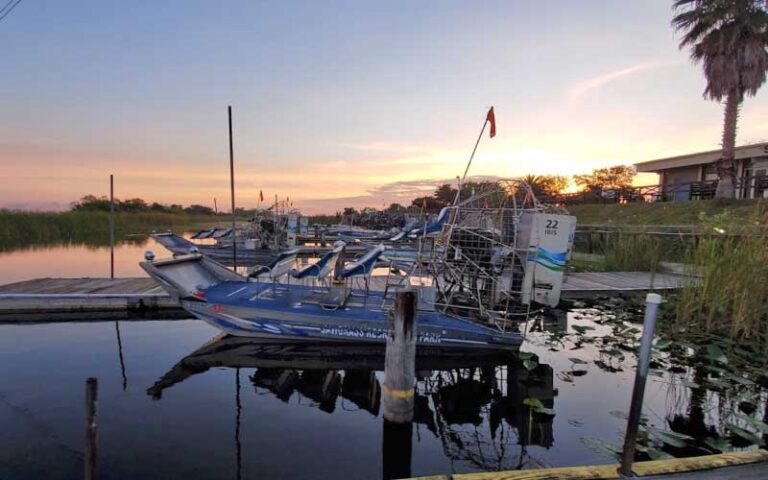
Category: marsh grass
<point>633,253</point>
<point>728,291</point>
<point>25,229</point>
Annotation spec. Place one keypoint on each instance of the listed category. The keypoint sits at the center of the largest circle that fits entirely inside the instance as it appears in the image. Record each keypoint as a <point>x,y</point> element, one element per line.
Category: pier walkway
<point>751,465</point>
<point>73,297</point>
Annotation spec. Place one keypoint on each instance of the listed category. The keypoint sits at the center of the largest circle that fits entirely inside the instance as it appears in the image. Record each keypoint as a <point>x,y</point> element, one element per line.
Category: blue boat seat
<point>437,225</point>
<point>407,229</point>
<point>278,267</point>
<point>323,267</point>
<point>365,265</point>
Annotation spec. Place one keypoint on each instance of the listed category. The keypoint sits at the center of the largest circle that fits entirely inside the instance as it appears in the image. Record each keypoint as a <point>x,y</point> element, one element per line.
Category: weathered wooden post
<point>111,226</point>
<point>652,302</point>
<point>400,360</point>
<point>91,451</point>
<point>398,389</point>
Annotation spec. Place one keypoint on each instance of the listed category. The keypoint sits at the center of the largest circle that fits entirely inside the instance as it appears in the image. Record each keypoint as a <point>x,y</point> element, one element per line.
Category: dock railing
<point>746,188</point>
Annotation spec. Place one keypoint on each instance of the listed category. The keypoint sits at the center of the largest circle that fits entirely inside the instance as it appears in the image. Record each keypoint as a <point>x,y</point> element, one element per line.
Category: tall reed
<point>728,291</point>
<point>633,253</point>
<point>22,229</point>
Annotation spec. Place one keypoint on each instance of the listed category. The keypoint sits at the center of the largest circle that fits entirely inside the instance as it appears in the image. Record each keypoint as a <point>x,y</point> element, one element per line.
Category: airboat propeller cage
<point>503,249</point>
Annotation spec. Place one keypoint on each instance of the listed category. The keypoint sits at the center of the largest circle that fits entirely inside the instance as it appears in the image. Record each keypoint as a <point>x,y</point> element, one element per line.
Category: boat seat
<point>280,266</point>
<point>364,266</point>
<point>323,267</point>
<point>435,226</point>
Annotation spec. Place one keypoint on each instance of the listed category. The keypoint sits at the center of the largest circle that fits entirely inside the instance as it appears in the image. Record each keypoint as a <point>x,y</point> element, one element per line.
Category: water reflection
<point>71,260</point>
<point>120,355</point>
<point>474,404</point>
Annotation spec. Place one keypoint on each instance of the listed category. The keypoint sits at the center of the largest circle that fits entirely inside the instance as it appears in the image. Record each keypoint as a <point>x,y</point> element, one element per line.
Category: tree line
<point>92,203</point>
<point>543,186</point>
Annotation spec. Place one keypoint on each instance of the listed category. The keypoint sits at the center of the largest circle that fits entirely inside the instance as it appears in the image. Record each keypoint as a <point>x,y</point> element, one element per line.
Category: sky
<point>337,103</point>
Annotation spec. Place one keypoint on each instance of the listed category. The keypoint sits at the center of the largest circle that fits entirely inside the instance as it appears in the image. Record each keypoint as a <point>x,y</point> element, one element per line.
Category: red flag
<point>491,118</point>
<point>261,196</point>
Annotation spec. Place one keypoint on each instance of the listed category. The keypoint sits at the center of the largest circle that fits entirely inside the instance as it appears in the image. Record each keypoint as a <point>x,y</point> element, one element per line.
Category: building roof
<point>745,151</point>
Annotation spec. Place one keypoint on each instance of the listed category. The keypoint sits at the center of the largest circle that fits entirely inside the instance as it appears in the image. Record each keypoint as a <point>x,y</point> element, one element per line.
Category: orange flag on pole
<point>492,119</point>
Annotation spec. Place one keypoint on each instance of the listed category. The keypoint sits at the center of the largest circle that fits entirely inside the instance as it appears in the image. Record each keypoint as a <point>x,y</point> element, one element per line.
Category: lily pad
<point>533,403</point>
<point>717,444</point>
<point>582,329</point>
<point>715,354</point>
<point>530,364</point>
<point>674,439</point>
<point>575,422</point>
<point>744,434</point>
<point>604,448</point>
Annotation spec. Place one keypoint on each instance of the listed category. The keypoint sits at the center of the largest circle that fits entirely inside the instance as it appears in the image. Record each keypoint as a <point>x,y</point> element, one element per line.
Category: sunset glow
<point>338,105</point>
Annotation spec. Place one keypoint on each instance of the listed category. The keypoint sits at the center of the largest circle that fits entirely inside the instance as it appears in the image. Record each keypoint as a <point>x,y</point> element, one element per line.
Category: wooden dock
<point>588,284</point>
<point>724,466</point>
<point>66,298</point>
<point>82,298</point>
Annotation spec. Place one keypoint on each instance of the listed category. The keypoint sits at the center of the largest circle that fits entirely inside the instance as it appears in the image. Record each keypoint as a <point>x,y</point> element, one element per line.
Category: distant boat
<point>179,245</point>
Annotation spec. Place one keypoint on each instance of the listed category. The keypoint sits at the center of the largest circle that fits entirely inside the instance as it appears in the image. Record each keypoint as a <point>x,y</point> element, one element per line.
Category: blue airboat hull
<point>296,312</point>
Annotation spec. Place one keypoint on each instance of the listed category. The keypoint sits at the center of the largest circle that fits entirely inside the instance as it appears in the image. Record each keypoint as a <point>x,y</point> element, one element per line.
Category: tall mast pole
<point>232,190</point>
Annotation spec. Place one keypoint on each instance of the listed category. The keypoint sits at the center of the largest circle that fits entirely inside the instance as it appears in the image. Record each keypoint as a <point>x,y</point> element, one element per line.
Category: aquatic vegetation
<point>21,229</point>
<point>633,253</point>
<point>716,392</point>
<point>728,293</point>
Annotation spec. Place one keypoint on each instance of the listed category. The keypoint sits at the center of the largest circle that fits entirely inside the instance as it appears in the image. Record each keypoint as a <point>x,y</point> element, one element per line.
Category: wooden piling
<point>111,226</point>
<point>91,451</point>
<point>400,360</point>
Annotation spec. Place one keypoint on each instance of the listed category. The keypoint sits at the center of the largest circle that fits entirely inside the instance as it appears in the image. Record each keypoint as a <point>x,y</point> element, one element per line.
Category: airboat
<point>479,271</point>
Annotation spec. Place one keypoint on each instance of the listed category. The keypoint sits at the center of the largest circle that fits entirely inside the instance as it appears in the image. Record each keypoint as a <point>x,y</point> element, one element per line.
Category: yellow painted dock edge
<point>692,464</point>
<point>609,472</point>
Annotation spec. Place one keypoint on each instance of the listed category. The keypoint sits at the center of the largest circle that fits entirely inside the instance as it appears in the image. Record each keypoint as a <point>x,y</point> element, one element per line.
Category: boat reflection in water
<point>473,402</point>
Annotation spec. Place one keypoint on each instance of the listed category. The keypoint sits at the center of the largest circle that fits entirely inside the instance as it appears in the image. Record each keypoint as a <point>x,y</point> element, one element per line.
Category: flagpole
<point>466,170</point>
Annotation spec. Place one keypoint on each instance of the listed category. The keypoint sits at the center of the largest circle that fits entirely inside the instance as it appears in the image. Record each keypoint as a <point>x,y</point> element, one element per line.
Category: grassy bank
<point>21,229</point>
<point>660,213</point>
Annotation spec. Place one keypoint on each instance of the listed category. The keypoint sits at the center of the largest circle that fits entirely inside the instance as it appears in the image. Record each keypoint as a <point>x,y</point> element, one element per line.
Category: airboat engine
<point>548,240</point>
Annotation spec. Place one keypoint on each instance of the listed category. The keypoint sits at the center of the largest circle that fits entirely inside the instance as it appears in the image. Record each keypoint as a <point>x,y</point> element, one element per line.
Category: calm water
<point>73,261</point>
<point>173,405</point>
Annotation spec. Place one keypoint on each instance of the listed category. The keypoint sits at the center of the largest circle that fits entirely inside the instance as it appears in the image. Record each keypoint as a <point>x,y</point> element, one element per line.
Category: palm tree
<point>730,39</point>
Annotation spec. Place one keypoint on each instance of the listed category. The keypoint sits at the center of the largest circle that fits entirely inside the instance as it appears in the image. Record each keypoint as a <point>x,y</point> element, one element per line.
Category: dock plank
<point>581,284</point>
<point>47,299</point>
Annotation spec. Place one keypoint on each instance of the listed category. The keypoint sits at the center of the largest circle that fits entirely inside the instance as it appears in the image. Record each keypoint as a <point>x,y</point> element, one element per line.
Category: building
<point>693,176</point>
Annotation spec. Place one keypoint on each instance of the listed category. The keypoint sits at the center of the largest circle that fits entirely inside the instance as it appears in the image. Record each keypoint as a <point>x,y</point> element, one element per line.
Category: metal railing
<point>747,187</point>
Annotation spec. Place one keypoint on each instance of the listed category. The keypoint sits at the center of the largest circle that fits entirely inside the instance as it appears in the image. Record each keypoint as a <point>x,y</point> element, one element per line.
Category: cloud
<point>584,86</point>
<point>393,192</point>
